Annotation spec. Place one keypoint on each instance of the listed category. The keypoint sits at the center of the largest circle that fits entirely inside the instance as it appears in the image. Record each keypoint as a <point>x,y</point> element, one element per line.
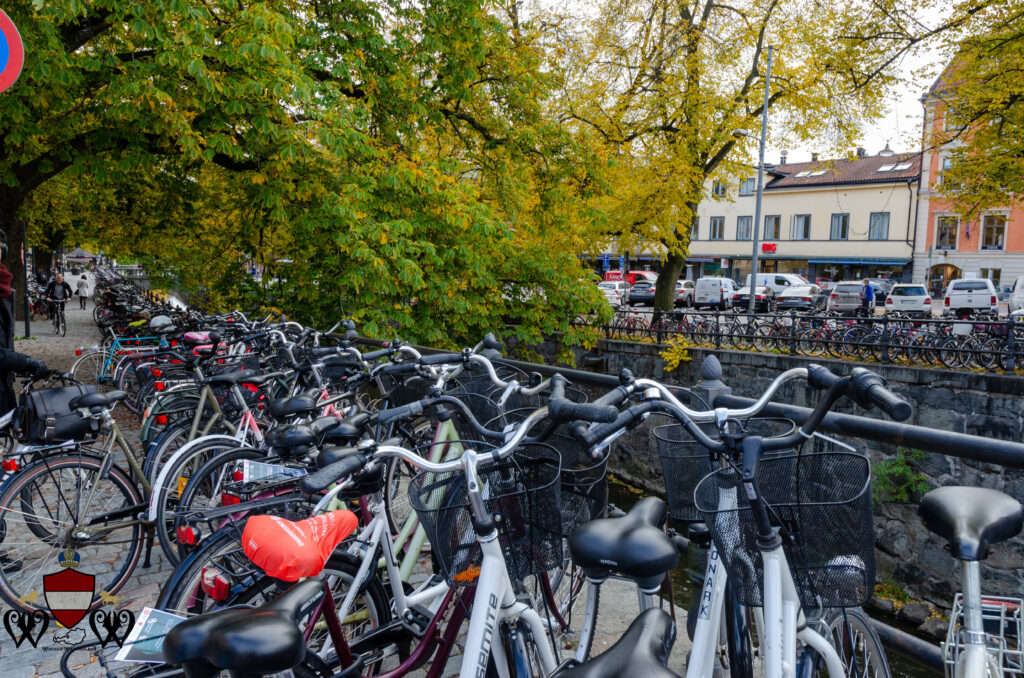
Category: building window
<point>718,189</point>
<point>772,227</point>
<point>944,165</point>
<point>992,274</point>
<point>695,228</point>
<point>878,226</point>
<point>840,227</point>
<point>945,237</point>
<point>747,186</point>
<point>993,231</point>
<point>743,227</point>
<point>717,228</point>
<point>801,227</point>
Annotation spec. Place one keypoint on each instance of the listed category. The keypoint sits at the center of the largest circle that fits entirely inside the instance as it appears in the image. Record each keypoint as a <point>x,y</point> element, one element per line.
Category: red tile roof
<point>842,172</point>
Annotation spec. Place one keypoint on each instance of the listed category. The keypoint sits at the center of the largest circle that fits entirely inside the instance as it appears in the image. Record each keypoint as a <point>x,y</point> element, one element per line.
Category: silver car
<point>846,298</point>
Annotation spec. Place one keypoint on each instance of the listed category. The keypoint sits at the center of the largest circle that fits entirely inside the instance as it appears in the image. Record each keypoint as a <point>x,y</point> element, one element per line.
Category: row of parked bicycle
<point>333,511</point>
<point>978,342</point>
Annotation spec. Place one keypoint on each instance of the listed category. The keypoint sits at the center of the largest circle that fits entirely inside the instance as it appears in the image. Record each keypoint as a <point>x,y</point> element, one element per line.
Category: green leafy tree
<point>385,160</point>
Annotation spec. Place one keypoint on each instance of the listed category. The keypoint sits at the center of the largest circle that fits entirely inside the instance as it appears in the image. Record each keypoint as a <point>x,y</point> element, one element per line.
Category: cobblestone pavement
<point>144,585</point>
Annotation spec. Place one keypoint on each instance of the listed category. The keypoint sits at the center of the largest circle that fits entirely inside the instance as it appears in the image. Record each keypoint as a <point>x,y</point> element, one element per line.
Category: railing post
<point>885,339</point>
<point>710,385</point>
<point>718,331</point>
<point>1011,345</point>
<point>792,332</point>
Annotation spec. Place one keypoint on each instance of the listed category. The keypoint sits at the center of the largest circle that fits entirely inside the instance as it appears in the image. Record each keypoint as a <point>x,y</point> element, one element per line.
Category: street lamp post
<point>760,184</point>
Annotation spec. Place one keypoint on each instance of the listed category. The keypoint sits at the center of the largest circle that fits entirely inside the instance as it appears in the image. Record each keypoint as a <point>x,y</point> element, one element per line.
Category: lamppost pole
<point>760,183</point>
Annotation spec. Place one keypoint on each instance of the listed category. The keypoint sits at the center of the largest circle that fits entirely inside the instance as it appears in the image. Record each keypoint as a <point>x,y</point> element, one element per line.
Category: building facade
<point>838,220</point>
<point>950,246</point>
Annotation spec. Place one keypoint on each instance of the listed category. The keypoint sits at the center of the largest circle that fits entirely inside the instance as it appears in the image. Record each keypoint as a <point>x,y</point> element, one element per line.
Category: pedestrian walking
<point>82,289</point>
<point>867,297</point>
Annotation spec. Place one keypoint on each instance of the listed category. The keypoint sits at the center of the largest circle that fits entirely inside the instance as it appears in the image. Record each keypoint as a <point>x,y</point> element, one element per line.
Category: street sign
<point>622,263</point>
<point>12,52</point>
<point>606,261</point>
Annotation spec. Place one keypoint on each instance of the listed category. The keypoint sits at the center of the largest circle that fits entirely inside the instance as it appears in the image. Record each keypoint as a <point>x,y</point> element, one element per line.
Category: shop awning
<point>700,260</point>
<point>882,262</point>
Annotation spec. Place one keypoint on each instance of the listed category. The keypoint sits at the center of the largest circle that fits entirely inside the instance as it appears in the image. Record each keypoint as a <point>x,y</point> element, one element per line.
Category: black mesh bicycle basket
<point>822,503</point>
<point>684,461</point>
<point>523,495</point>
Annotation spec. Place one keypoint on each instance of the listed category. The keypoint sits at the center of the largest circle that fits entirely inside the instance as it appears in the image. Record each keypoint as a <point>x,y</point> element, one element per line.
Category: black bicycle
<point>60,325</point>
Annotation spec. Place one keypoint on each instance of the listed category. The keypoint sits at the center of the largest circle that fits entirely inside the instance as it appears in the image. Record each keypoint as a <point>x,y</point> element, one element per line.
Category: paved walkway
<point>618,600</point>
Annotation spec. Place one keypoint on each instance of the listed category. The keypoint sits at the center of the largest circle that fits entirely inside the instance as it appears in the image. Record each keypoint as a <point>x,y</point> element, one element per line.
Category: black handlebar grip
<point>623,420</point>
<point>374,355</point>
<point>439,358</point>
<point>402,368</point>
<point>491,342</point>
<point>328,475</point>
<point>870,388</point>
<point>614,397</point>
<point>562,410</point>
<point>820,377</point>
<point>558,383</point>
<point>403,412</point>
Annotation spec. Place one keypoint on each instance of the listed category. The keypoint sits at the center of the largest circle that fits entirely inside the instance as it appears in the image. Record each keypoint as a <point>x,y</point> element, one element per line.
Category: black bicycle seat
<point>300,435</point>
<point>642,650</point>
<point>633,545</point>
<point>259,640</point>
<point>348,430</point>
<point>237,377</point>
<point>291,407</point>
<point>91,400</point>
<point>971,518</point>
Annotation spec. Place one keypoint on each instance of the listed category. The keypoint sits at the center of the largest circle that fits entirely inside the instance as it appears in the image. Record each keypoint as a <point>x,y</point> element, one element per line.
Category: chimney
<point>782,157</point>
<point>861,153</point>
<point>814,157</point>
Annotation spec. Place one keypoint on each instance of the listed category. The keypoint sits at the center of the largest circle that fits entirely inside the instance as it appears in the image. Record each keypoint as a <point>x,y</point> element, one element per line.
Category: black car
<point>642,293</point>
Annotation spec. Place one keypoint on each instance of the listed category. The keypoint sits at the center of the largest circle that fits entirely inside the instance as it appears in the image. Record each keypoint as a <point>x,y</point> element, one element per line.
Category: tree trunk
<point>10,202</point>
<point>665,289</point>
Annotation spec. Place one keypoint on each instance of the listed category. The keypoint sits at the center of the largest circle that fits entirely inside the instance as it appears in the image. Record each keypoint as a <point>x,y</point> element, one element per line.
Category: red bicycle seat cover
<point>290,550</point>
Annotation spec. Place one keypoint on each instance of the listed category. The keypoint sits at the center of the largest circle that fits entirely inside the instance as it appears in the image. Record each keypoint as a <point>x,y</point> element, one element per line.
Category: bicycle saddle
<point>91,400</point>
<point>971,518</point>
<point>348,431</point>
<point>642,650</point>
<point>290,407</point>
<point>298,435</point>
<point>248,640</point>
<point>289,550</point>
<point>633,545</point>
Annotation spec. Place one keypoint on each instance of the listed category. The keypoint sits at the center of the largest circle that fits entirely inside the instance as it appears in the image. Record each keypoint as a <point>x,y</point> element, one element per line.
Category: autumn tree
<point>385,160</point>
<point>659,88</point>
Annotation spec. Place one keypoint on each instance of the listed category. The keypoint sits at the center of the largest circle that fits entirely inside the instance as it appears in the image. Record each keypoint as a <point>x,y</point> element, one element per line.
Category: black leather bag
<point>45,417</point>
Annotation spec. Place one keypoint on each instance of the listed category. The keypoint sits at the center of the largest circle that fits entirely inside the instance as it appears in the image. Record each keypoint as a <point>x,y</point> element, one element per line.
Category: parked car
<point>778,281</point>
<point>684,292</point>
<point>764,299</point>
<point>846,297</point>
<point>632,276</point>
<point>713,292</point>
<point>881,286</point>
<point>804,298</point>
<point>616,291</point>
<point>1016,298</point>
<point>642,293</point>
<point>906,298</point>
<point>965,297</point>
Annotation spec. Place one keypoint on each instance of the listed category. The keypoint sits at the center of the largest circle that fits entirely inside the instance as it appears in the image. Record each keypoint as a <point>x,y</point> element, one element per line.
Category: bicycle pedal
<point>416,620</point>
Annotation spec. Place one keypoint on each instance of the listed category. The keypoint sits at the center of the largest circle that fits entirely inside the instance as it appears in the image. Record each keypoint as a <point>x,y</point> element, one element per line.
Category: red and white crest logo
<point>69,594</point>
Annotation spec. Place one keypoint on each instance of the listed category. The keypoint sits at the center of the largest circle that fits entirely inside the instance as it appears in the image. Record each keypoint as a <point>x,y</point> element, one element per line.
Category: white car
<point>715,292</point>
<point>964,297</point>
<point>684,292</point>
<point>1016,298</point>
<point>779,281</point>
<point>616,291</point>
<point>905,298</point>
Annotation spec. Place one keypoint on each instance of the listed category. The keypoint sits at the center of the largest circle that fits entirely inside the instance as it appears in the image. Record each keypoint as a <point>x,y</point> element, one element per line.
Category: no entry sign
<point>12,52</point>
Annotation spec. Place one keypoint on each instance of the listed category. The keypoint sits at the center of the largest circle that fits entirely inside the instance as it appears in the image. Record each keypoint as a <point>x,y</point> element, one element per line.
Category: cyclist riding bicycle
<point>57,291</point>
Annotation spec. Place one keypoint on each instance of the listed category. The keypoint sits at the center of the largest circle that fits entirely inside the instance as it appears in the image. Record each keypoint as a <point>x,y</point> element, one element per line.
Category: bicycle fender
<point>184,449</point>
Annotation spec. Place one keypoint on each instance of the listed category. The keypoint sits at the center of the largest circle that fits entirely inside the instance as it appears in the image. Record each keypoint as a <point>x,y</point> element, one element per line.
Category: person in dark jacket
<point>11,363</point>
<point>57,291</point>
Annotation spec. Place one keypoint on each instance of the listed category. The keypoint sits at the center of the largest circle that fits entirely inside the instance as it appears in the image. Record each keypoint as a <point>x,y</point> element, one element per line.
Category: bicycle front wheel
<point>860,650</point>
<point>68,502</point>
<point>62,325</point>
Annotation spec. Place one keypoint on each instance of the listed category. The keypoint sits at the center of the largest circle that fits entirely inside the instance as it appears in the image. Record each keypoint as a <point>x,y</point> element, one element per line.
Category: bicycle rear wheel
<point>851,633</point>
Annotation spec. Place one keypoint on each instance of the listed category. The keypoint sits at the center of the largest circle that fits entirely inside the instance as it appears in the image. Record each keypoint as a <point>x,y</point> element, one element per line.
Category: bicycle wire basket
<point>821,500</point>
<point>523,495</point>
<point>684,461</point>
<point>485,400</point>
<point>403,389</point>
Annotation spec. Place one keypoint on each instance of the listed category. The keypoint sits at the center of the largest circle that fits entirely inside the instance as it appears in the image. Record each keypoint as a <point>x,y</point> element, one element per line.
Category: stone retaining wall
<point>974,403</point>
